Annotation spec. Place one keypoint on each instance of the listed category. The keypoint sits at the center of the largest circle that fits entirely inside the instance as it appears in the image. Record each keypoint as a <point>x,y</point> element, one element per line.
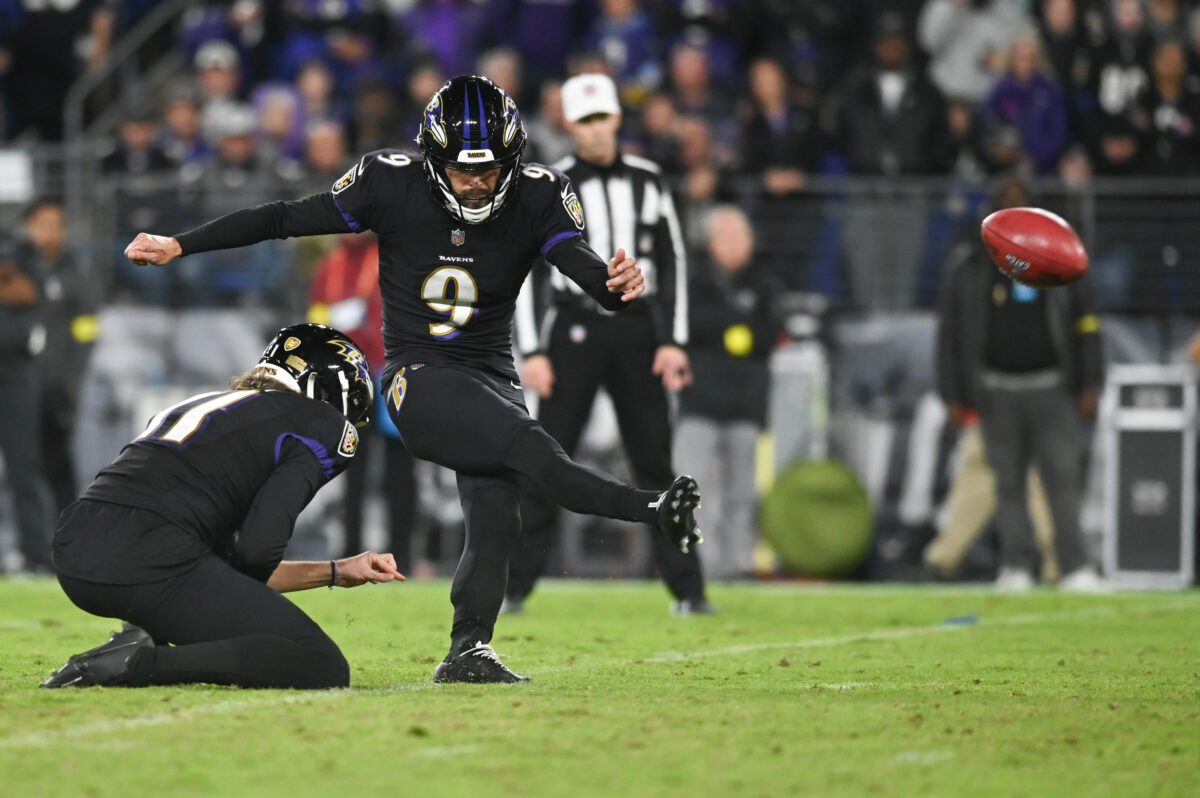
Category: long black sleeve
<point>578,261</point>
<point>314,215</point>
<point>268,526</point>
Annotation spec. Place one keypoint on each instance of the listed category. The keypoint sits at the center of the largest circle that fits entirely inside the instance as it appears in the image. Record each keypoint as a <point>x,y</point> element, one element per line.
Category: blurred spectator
<point>1169,111</point>
<point>696,95</point>
<point>1064,45</point>
<point>374,121</point>
<point>544,33</point>
<point>144,194</point>
<point>345,36</point>
<point>966,41</point>
<point>971,506</point>
<point>452,31</point>
<point>584,62</point>
<point>136,152</point>
<point>548,137</point>
<point>67,316</point>
<point>280,121</point>
<point>733,330</point>
<point>1166,19</point>
<point>218,72</point>
<point>704,184</point>
<point>345,294</point>
<point>425,78</point>
<point>1075,168</point>
<point>503,66</point>
<point>718,27</point>
<point>780,141</point>
<point>966,143</point>
<point>657,137</point>
<point>54,44</point>
<point>20,444</point>
<point>1025,119</point>
<point>1118,75</point>
<point>624,34</point>
<point>325,155</point>
<point>1028,362</point>
<point>1193,48</point>
<point>180,136</point>
<point>251,26</point>
<point>818,41</point>
<point>891,120</point>
<point>318,98</point>
<point>236,176</point>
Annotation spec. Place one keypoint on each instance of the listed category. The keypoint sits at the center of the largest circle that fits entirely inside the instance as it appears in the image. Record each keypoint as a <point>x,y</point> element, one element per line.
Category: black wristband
<point>332,573</point>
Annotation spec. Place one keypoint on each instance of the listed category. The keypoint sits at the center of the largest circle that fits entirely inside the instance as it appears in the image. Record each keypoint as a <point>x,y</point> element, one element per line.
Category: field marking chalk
<point>919,631</point>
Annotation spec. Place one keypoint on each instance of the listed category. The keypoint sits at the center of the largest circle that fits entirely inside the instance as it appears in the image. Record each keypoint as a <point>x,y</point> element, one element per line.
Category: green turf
<point>790,691</point>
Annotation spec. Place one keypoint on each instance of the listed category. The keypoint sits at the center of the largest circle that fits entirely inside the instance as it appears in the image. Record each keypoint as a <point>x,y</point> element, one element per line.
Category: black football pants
<point>589,351</point>
<point>475,423</point>
<point>226,629</point>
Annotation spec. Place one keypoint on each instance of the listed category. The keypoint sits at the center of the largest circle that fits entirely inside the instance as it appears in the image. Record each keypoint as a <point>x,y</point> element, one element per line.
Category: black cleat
<point>676,507</point>
<point>106,665</point>
<point>476,665</point>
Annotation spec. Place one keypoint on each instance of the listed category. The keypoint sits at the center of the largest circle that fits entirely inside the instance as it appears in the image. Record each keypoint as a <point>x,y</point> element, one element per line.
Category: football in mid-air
<point>1034,247</point>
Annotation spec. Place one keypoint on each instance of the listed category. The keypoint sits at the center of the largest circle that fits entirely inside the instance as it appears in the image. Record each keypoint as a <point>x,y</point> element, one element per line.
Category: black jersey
<point>244,462</point>
<point>449,288</point>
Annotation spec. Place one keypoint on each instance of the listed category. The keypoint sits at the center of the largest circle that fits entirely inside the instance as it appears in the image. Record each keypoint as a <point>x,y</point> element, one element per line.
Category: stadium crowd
<point>738,101</point>
<point>746,103</point>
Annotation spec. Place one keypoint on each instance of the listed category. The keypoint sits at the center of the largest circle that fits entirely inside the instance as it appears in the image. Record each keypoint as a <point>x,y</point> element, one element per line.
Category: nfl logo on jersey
<point>457,237</point>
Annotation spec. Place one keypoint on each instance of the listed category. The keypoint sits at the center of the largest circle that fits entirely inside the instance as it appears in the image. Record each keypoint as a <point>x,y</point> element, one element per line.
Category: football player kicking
<point>182,536</point>
<point>459,228</point>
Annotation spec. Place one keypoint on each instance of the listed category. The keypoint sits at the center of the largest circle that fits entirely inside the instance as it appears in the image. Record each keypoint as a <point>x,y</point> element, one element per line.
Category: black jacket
<point>734,327</point>
<point>962,325</point>
<point>915,140</point>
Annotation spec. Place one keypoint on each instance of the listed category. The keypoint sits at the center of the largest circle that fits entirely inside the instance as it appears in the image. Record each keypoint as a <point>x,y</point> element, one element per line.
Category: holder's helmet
<point>325,364</point>
<point>471,124</point>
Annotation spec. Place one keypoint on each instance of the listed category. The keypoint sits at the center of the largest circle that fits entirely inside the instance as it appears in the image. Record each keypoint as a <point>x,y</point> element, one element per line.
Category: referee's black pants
<point>589,351</point>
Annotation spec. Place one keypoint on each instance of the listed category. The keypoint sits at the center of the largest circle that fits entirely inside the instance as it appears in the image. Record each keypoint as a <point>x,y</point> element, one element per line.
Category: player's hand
<point>625,278</point>
<point>672,365</point>
<point>367,567</point>
<point>538,373</point>
<point>153,250</point>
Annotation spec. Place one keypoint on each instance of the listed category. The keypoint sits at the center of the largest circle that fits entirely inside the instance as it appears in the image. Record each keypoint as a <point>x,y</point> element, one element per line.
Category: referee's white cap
<point>587,94</point>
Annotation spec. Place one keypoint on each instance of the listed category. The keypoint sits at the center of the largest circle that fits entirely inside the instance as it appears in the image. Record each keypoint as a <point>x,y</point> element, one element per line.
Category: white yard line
<point>919,631</point>
<point>108,727</point>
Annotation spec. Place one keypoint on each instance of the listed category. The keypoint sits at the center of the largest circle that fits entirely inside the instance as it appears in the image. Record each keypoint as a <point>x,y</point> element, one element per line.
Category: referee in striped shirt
<point>576,347</point>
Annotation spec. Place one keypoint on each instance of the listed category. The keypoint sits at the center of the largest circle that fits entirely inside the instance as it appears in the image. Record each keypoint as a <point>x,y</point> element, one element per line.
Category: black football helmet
<point>472,124</point>
<point>323,363</point>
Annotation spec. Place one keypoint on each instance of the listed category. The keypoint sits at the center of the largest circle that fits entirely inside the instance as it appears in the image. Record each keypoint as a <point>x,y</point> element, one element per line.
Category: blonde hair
<point>258,379</point>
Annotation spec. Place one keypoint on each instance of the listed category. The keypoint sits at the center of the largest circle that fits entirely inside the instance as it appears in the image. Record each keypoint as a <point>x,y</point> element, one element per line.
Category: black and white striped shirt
<point>626,205</point>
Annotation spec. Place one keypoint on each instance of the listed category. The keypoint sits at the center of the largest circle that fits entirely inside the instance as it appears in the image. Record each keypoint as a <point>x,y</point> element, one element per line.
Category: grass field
<point>792,690</point>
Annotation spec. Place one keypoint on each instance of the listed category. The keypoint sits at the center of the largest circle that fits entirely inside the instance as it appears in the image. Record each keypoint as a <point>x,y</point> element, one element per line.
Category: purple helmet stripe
<point>482,118</point>
<point>466,119</point>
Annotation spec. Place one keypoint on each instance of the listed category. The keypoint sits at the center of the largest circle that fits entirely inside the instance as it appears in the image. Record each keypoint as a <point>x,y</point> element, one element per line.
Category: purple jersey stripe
<point>354,225</point>
<point>556,238</point>
<point>316,447</point>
